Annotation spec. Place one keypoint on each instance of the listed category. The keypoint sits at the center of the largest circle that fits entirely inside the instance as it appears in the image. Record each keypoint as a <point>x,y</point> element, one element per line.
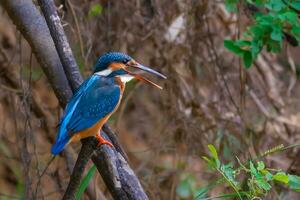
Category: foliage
<point>188,187</point>
<point>273,21</point>
<point>231,5</point>
<point>250,180</point>
<point>85,182</point>
<point>95,10</point>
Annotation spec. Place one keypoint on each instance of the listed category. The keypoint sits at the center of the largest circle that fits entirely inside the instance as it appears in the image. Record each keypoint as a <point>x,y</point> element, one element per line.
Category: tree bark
<point>61,43</point>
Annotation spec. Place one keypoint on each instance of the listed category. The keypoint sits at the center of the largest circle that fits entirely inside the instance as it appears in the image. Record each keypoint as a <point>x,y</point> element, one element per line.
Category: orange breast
<point>95,129</point>
<point>90,131</point>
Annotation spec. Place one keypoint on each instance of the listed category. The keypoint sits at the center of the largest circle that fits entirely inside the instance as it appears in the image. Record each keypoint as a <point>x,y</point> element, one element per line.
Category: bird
<point>97,98</point>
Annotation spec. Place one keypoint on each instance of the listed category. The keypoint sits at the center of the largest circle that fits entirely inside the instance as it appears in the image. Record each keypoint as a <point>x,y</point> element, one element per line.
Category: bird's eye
<point>125,61</point>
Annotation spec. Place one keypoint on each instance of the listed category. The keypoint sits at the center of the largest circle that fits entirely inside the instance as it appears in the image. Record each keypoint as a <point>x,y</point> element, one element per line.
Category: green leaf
<point>229,173</point>
<point>247,58</point>
<point>263,184</point>
<point>252,169</point>
<point>95,10</point>
<point>231,5</point>
<point>275,5</point>
<point>281,177</point>
<point>269,176</point>
<point>243,43</point>
<point>215,156</point>
<point>257,31</point>
<point>276,34</point>
<point>294,4</point>
<point>256,47</point>
<point>201,193</point>
<point>294,182</point>
<point>227,196</point>
<point>211,162</point>
<point>290,16</point>
<point>183,189</point>
<point>260,165</point>
<point>295,29</point>
<point>85,182</point>
<point>233,47</point>
<point>296,32</point>
<point>186,186</point>
<point>260,179</point>
<point>274,46</point>
<point>213,151</point>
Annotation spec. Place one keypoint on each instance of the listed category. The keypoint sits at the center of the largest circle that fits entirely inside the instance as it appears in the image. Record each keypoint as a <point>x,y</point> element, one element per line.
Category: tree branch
<point>122,182</point>
<point>61,43</point>
<point>35,30</point>
<point>82,160</point>
<point>117,175</point>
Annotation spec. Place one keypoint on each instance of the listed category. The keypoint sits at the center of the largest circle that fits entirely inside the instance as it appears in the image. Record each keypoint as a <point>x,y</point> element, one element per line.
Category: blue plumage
<point>96,97</point>
<point>104,61</point>
<point>98,101</point>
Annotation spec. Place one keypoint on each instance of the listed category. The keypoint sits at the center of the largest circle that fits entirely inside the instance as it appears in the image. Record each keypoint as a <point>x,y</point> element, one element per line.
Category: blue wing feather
<point>94,105</point>
<point>95,98</point>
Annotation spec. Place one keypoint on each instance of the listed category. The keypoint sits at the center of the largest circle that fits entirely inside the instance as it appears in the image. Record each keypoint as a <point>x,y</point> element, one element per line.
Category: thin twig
<point>219,68</point>
<point>77,27</point>
<point>24,153</point>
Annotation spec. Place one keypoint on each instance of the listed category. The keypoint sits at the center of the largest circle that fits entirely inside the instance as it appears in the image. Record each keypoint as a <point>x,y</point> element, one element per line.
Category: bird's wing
<point>98,101</point>
<point>93,100</point>
<point>77,95</point>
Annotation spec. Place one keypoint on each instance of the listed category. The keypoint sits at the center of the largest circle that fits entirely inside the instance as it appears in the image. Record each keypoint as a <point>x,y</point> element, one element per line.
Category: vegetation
<point>273,22</point>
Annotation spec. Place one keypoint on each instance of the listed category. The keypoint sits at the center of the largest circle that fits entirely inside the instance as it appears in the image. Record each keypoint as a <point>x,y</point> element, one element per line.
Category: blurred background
<point>208,98</point>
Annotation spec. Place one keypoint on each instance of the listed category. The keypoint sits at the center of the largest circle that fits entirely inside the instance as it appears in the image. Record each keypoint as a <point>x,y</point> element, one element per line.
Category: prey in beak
<point>136,65</point>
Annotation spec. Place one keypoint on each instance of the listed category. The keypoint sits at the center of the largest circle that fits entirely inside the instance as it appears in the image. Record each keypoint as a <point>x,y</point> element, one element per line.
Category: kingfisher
<point>98,98</point>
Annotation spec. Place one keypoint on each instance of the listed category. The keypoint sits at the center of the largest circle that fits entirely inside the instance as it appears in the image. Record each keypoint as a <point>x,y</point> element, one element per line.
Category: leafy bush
<point>273,21</point>
<point>252,179</point>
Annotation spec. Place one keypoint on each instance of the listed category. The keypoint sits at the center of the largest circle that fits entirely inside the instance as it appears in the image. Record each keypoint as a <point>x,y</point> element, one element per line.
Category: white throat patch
<point>126,78</point>
<point>105,72</point>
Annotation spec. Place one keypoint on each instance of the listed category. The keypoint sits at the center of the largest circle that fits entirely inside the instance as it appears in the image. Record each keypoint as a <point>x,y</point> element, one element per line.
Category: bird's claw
<point>103,141</point>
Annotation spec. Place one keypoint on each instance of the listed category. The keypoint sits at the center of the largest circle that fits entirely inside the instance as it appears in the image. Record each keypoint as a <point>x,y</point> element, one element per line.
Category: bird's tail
<point>59,145</point>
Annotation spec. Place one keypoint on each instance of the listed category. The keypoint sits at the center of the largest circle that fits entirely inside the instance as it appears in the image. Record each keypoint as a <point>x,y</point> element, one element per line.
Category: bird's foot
<point>103,141</point>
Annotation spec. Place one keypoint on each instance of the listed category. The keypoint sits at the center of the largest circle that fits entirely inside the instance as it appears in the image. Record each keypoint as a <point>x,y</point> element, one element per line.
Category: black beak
<point>149,70</point>
<point>146,69</point>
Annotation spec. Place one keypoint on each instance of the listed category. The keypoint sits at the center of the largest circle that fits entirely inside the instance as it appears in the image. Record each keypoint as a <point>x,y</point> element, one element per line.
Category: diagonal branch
<point>122,182</point>
<point>88,147</point>
<point>61,43</point>
<point>34,29</point>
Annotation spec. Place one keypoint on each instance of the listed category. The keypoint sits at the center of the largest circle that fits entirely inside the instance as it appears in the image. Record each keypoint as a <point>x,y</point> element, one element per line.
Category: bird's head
<point>117,64</point>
